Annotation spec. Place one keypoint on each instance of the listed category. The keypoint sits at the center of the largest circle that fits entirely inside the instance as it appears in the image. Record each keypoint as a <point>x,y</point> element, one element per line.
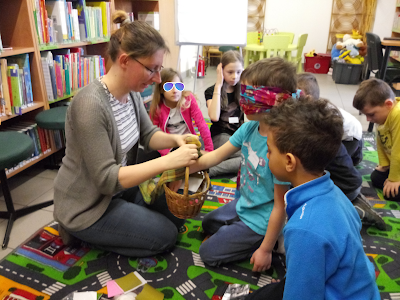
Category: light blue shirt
<point>256,180</point>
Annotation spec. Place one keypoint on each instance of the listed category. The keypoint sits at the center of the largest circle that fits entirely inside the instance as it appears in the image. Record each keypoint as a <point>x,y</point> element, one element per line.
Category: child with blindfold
<point>249,226</point>
<point>172,109</point>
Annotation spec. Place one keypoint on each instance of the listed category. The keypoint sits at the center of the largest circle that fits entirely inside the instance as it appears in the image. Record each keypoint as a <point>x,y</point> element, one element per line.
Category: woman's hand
<point>220,75</point>
<point>181,139</point>
<point>184,156</point>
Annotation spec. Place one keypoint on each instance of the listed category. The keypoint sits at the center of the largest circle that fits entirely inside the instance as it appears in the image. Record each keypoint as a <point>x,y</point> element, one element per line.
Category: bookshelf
<point>18,29</point>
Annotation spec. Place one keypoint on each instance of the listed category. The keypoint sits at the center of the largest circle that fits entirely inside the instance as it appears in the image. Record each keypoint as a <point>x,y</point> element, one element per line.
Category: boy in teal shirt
<point>248,227</point>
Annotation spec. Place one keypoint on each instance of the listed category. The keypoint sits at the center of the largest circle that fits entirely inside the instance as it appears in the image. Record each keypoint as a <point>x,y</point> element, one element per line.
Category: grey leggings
<point>230,165</point>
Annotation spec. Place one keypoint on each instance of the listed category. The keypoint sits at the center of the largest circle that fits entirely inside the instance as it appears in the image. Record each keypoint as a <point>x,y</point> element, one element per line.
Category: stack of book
<point>60,21</point>
<point>67,70</point>
<point>43,140</point>
<point>15,85</point>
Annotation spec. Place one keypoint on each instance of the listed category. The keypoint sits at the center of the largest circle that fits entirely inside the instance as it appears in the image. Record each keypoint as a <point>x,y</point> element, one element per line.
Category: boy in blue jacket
<point>324,252</point>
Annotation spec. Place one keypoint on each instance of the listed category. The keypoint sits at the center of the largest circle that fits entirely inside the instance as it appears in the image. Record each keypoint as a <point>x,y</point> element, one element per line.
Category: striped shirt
<point>125,119</point>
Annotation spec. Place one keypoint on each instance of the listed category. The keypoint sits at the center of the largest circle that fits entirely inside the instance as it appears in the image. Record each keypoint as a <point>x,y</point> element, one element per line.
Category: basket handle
<point>186,187</point>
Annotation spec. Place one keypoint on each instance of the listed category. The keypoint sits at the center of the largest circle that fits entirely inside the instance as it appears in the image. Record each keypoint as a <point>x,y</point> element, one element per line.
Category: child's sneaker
<point>367,214</point>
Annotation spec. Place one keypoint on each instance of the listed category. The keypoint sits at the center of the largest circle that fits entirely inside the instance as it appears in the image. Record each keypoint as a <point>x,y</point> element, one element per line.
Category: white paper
<point>194,184</point>
<point>85,296</point>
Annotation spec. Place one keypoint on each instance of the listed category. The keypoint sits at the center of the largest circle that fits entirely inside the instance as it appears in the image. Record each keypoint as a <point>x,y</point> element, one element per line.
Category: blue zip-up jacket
<point>325,258</point>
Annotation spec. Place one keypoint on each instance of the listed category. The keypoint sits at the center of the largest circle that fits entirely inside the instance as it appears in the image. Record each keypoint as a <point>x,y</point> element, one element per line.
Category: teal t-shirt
<point>255,204</point>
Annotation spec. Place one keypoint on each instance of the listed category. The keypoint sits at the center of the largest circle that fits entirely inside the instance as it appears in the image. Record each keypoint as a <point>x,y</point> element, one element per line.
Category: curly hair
<point>309,129</point>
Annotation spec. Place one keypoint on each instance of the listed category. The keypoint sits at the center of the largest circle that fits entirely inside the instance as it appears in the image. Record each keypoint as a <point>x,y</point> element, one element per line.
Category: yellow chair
<point>252,46</point>
<point>301,42</point>
<point>291,34</point>
<point>275,45</point>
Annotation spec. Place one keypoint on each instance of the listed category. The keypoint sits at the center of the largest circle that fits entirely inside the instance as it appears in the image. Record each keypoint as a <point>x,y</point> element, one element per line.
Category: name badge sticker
<point>233,120</point>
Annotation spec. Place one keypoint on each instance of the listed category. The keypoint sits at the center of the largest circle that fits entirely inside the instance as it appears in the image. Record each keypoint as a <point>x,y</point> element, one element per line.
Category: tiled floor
<point>35,184</point>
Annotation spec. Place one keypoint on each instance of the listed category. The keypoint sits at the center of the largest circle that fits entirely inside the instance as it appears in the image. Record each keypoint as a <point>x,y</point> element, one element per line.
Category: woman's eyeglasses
<point>170,85</point>
<point>148,69</point>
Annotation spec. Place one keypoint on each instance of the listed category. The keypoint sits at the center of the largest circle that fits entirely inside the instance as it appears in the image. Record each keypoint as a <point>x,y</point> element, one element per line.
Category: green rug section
<point>56,270</point>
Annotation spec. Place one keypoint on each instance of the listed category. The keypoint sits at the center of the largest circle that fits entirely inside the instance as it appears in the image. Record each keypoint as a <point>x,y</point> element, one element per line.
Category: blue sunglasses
<point>170,85</point>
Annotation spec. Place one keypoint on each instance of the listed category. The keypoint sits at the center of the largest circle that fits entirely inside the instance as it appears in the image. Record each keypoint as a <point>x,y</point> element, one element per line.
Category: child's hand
<point>185,155</point>
<point>390,188</point>
<point>174,185</point>
<point>381,169</point>
<point>220,75</point>
<point>261,260</point>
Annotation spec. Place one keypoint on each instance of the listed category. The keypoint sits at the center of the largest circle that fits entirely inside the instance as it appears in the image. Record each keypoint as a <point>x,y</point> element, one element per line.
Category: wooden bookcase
<point>17,28</point>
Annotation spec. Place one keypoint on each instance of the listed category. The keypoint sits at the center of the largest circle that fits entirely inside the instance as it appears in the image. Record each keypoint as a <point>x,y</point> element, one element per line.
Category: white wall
<point>384,17</point>
<point>305,16</point>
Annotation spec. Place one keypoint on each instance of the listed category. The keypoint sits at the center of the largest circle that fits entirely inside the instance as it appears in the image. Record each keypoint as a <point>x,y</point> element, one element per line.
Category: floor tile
<point>30,189</point>
<point>24,227</point>
<point>5,252</point>
<point>49,195</point>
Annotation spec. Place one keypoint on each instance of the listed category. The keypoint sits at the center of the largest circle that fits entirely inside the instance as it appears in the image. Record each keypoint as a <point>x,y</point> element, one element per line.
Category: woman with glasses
<point>173,109</point>
<point>96,194</point>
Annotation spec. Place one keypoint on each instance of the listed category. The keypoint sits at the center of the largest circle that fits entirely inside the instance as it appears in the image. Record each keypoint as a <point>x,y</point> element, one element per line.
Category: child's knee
<point>207,254</point>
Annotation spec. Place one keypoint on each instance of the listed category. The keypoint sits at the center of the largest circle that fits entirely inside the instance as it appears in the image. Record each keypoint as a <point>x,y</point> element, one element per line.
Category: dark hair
<point>372,92</point>
<point>308,84</point>
<point>227,58</point>
<point>137,39</point>
<point>311,130</point>
<point>272,72</point>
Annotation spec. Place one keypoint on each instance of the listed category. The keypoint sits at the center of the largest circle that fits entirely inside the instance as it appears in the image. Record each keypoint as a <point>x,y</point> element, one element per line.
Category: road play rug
<point>43,268</point>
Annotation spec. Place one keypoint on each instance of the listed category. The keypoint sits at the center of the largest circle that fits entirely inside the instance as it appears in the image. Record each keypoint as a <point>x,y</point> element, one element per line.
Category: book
<point>7,109</point>
<point>16,92</point>
<point>57,10</point>
<point>80,6</point>
<point>47,79</point>
<point>23,63</point>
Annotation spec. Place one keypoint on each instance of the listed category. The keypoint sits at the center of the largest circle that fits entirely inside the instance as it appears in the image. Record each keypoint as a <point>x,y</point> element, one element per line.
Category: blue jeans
<point>231,239</point>
<point>132,228</point>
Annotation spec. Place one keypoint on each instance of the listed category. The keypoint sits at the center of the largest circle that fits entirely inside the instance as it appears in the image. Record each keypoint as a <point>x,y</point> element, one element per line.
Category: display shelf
<point>16,51</point>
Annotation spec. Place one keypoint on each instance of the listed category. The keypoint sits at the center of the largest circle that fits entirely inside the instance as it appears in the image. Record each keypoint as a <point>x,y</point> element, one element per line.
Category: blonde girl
<point>173,109</point>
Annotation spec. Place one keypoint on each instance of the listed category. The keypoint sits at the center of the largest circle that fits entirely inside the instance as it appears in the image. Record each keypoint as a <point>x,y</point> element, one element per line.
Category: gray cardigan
<point>88,178</point>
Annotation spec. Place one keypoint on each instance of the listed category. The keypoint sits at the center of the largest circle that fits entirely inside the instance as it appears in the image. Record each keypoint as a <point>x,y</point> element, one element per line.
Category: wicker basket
<point>187,206</point>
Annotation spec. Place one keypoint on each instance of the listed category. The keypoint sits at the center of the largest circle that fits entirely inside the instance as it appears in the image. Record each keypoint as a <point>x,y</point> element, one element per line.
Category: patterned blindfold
<point>260,99</point>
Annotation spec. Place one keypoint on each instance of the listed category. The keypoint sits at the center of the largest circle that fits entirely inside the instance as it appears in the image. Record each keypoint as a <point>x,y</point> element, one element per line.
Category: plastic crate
<point>317,64</point>
<point>346,73</point>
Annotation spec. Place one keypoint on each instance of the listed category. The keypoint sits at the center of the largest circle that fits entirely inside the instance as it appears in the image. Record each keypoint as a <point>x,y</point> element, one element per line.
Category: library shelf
<point>35,160</point>
<point>34,106</point>
<point>16,51</point>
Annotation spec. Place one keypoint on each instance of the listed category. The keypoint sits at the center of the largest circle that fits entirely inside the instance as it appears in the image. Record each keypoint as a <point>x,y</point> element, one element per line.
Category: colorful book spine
<point>15,88</point>
<point>4,85</point>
